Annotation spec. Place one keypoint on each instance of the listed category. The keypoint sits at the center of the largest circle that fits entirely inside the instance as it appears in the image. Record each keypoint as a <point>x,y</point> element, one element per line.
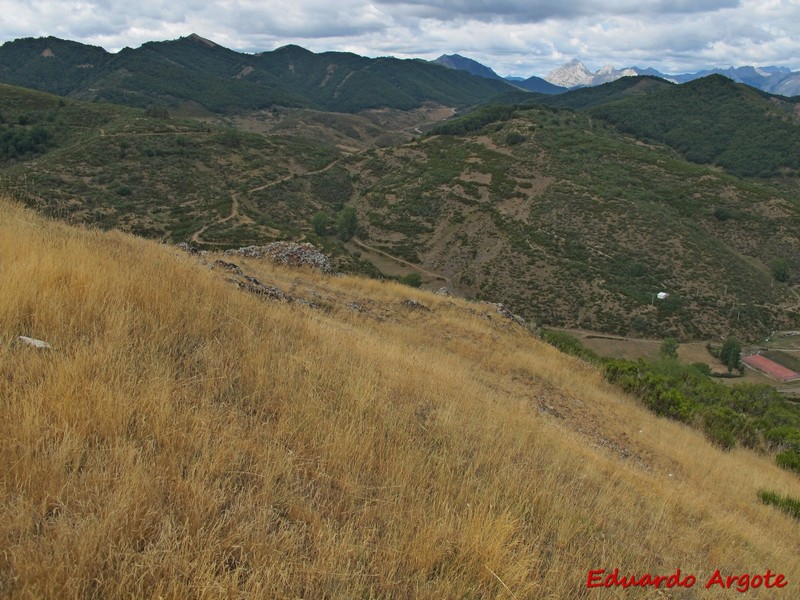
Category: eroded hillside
<point>184,437</point>
<point>574,224</point>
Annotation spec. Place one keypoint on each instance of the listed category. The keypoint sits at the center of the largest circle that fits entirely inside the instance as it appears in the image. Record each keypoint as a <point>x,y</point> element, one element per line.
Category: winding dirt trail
<point>196,237</point>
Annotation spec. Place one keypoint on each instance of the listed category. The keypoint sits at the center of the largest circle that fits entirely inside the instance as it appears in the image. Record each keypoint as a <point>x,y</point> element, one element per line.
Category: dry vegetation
<point>185,439</point>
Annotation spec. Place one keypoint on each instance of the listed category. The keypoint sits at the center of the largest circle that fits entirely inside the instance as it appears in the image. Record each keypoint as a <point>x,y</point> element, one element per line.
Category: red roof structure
<point>770,368</point>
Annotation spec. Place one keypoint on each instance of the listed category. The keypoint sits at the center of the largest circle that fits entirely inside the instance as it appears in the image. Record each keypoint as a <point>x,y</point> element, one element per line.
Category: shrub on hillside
<point>785,503</point>
<point>790,460</point>
<point>412,279</point>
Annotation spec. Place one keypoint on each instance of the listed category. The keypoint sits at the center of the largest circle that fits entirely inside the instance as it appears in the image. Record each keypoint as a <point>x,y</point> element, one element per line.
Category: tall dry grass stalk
<point>184,439</point>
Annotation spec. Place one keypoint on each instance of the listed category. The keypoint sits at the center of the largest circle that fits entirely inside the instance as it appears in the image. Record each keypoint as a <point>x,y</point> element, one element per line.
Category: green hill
<point>115,166</point>
<point>195,74</point>
<point>716,121</point>
<point>712,120</point>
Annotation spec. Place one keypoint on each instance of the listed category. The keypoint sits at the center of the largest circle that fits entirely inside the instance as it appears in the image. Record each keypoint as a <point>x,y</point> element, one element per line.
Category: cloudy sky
<point>514,37</point>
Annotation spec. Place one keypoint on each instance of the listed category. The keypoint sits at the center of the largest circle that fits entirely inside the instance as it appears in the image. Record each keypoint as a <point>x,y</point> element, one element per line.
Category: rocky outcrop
<point>504,312</point>
<point>291,254</point>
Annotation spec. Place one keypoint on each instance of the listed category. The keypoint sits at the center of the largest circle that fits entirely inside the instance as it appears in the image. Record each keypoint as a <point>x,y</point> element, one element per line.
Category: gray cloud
<point>525,11</point>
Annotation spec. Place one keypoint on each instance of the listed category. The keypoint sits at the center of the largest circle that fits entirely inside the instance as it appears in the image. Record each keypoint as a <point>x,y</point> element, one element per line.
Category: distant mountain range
<point>775,80</point>
<point>194,75</point>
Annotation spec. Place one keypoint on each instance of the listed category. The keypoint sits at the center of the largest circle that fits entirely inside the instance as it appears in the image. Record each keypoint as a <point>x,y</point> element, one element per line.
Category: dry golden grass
<point>185,439</point>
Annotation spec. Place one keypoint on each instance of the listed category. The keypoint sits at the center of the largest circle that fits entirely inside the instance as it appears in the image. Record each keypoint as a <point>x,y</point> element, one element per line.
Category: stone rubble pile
<point>232,267</point>
<point>291,254</point>
<point>413,304</point>
<point>254,286</point>
<point>504,312</point>
<point>186,247</point>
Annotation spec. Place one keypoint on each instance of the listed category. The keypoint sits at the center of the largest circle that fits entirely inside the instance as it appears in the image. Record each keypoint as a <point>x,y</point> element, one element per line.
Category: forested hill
<point>193,72</point>
<point>712,120</point>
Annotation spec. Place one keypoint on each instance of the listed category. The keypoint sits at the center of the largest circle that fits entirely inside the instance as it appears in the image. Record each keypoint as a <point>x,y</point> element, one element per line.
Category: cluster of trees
<point>730,353</point>
<point>21,141</point>
<point>346,223</point>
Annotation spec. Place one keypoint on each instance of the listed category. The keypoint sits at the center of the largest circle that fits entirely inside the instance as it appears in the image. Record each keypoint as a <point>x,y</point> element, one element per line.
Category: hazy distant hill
<point>462,63</point>
<point>195,72</point>
<point>587,97</point>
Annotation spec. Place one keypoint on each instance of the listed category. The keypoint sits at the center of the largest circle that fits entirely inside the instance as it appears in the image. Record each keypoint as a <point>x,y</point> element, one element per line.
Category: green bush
<point>785,503</point>
<point>412,279</point>
<point>701,368</point>
<point>568,344</point>
<point>780,269</point>
<point>790,460</point>
<point>669,348</point>
<point>514,137</point>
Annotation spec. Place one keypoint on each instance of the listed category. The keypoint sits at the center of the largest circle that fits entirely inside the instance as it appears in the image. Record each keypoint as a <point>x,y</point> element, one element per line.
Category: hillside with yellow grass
<point>183,438</point>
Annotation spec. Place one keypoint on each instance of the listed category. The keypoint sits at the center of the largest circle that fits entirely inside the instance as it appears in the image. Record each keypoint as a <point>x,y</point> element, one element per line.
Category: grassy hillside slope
<point>183,438</point>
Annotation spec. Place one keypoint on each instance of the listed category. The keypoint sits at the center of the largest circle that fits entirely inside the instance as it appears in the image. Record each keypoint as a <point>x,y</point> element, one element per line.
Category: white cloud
<point>519,37</point>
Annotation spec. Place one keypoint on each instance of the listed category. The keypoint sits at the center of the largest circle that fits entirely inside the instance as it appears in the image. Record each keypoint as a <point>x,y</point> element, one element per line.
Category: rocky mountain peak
<point>572,74</point>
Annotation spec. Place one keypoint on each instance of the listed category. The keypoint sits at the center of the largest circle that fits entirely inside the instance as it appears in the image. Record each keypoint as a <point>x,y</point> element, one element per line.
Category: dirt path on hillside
<point>288,177</point>
<point>196,237</point>
<point>397,259</point>
<point>794,290</point>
